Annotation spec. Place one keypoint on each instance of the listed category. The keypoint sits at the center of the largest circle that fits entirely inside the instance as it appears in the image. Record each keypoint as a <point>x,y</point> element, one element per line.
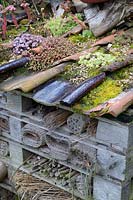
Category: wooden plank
<point>110,190</point>
<point>115,134</point>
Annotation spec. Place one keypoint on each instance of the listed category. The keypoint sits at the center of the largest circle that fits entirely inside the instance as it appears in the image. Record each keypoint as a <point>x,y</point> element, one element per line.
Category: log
<point>103,18</point>
<point>4,149</point>
<point>33,136</point>
<point>82,90</point>
<point>77,123</point>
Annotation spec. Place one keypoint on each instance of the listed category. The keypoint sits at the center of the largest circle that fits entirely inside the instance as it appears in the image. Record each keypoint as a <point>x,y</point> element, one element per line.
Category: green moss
<point>87,34</point>
<point>105,91</point>
<point>78,39</point>
<point>81,38</point>
<point>24,22</point>
<point>121,45</point>
<point>124,76</point>
<point>21,71</point>
<point>4,3</point>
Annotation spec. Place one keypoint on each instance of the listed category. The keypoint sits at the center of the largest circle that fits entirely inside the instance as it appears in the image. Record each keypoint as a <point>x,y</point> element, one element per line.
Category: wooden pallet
<point>109,152</point>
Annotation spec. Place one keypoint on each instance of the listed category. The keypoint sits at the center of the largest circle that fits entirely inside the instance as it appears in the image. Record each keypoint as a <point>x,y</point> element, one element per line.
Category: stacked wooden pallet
<point>99,165</point>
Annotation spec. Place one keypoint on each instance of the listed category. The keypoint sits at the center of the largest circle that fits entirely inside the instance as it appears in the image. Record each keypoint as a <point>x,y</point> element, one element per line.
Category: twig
<point>39,193</point>
<point>35,8</point>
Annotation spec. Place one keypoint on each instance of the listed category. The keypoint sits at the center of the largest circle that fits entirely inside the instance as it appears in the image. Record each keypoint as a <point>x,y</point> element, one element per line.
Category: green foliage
<point>13,32</point>
<point>4,3</point>
<point>121,45</point>
<point>58,26</point>
<point>131,46</point>
<point>124,76</point>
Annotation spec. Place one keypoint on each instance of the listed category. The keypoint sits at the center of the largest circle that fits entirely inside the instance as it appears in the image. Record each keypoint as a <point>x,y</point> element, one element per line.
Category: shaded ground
<point>6,195</point>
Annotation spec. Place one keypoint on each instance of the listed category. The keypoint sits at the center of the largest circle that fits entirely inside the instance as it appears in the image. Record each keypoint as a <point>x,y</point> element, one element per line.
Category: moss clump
<point>131,46</point>
<point>13,32</point>
<point>40,28</point>
<point>81,38</point>
<point>24,22</point>
<point>58,26</point>
<point>105,91</point>
<point>78,39</point>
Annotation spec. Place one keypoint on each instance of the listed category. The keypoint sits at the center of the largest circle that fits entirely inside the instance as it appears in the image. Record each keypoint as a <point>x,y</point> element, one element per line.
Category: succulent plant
<point>88,66</point>
<point>26,42</point>
<point>52,49</point>
<point>27,9</point>
<point>5,10</point>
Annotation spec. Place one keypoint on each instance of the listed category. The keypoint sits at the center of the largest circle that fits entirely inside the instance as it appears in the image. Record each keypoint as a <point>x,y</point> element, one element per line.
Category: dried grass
<point>30,188</point>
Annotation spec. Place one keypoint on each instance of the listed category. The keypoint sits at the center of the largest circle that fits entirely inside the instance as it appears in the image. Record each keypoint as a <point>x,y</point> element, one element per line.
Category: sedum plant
<point>58,26</point>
